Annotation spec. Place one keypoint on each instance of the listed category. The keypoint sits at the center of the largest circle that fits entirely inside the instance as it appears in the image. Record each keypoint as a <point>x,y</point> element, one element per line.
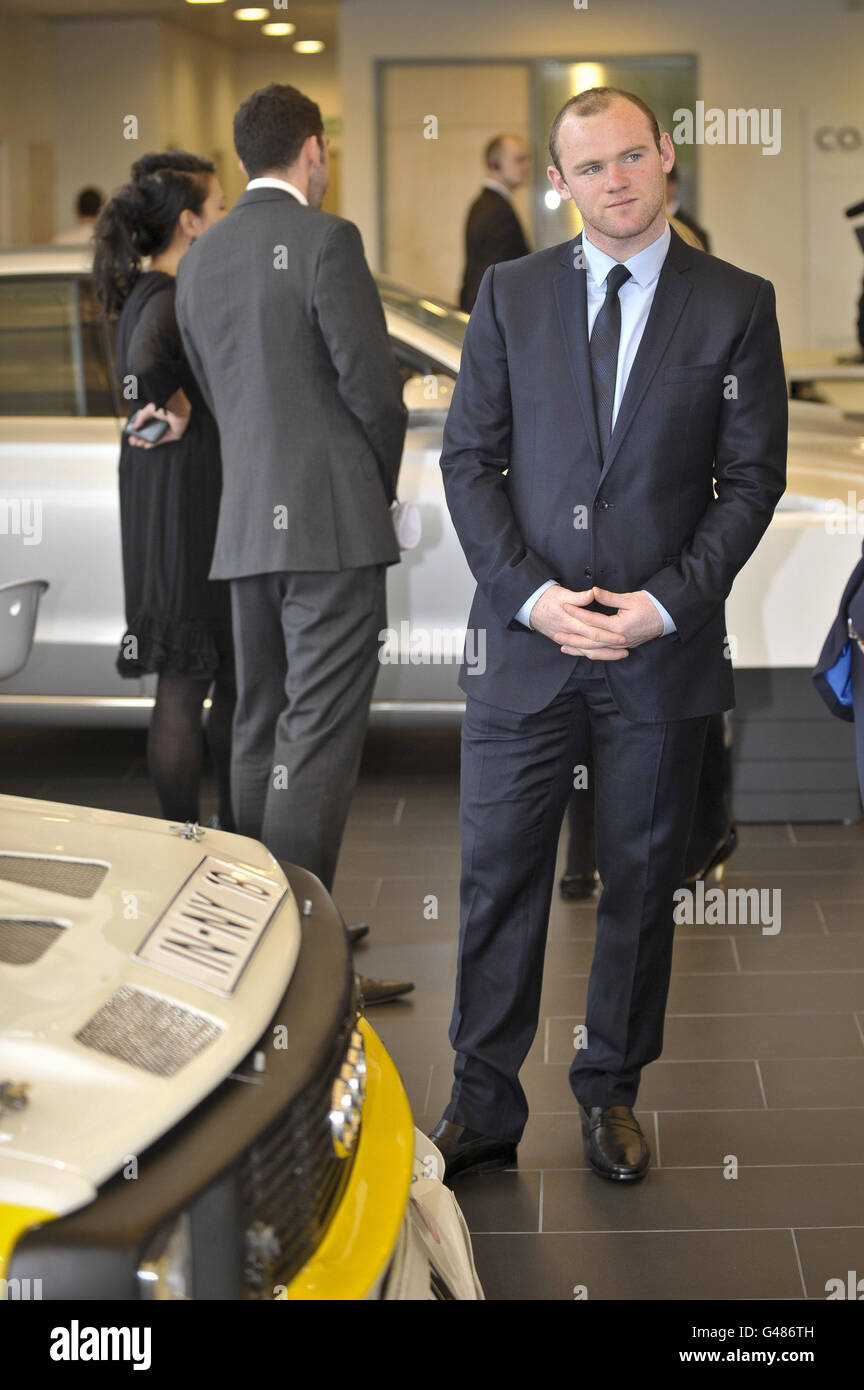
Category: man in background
<point>493,232</point>
<point>87,205</point>
<point>285,332</point>
<point>674,209</point>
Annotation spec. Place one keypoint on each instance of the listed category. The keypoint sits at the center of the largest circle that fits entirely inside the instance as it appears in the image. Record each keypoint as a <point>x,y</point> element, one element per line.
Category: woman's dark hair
<point>140,219</point>
<point>271,127</point>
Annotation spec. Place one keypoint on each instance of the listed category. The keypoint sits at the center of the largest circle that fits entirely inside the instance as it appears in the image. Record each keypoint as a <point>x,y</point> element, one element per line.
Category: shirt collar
<point>644,267</point>
<point>498,188</point>
<point>278,183</point>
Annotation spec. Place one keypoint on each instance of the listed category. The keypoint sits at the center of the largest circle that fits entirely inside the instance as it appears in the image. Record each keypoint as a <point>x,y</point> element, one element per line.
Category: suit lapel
<point>572,300</point>
<point>673,290</point>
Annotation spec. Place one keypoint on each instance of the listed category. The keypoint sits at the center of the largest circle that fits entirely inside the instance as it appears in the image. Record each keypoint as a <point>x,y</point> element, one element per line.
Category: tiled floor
<point>755,1114</point>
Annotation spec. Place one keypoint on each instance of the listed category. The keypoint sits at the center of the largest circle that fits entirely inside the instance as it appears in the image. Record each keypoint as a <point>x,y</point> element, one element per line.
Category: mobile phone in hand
<point>152,430</point>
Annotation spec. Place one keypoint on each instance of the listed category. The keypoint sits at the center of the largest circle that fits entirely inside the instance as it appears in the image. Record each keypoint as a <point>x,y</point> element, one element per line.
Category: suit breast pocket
<point>696,375</point>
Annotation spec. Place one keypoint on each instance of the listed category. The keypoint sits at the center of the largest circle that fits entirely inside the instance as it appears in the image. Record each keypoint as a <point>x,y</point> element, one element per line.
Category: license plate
<point>210,930</point>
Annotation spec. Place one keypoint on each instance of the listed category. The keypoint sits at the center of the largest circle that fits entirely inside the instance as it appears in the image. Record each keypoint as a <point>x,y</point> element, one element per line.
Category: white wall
<point>27,115</point>
<point>105,71</point>
<point>196,101</point>
<point>790,54</point>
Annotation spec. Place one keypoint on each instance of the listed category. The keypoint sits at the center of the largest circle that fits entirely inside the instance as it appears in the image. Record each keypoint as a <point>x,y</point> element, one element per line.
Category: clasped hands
<point>559,614</point>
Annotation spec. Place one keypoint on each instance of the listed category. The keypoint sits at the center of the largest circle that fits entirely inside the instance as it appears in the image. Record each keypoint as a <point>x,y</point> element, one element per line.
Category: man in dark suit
<point>674,209</point>
<point>607,387</point>
<point>285,332</point>
<point>493,232</point>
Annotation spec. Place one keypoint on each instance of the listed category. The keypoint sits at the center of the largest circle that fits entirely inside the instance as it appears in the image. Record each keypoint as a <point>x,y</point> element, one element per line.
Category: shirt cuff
<point>668,625</point>
<point>525,611</point>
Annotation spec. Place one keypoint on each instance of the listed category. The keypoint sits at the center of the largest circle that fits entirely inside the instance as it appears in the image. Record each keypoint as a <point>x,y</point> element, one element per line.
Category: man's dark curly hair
<point>271,127</point>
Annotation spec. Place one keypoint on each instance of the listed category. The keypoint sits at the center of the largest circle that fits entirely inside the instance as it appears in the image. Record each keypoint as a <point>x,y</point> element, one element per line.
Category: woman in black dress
<point>178,621</point>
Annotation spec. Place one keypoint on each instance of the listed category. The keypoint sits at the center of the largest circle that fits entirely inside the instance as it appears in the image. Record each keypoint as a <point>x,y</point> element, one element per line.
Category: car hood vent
<point>150,1033</point>
<point>23,939</point>
<point>77,878</point>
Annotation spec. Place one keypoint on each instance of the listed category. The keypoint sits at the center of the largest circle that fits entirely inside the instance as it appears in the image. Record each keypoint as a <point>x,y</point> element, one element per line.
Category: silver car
<point>59,516</point>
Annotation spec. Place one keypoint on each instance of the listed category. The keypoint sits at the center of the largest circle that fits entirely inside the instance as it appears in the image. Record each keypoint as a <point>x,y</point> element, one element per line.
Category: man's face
<point>613,170</point>
<point>513,162</point>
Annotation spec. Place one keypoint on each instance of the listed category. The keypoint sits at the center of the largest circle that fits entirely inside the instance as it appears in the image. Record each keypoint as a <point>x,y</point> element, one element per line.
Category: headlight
<point>165,1272</point>
<point>347,1096</point>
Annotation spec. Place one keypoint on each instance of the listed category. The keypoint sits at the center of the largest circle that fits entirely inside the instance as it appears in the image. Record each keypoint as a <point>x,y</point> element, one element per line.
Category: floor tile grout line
<point>858,1026</point>
<point>657,1140</point>
<point>761,1082</point>
<point>798,1258</point>
<point>692,1168</point>
<point>820,913</point>
<point>400,807</point>
<point>428,1090</point>
<point>657,1230</point>
<point>790,834</point>
<point>540,1208</point>
<point>735,956</point>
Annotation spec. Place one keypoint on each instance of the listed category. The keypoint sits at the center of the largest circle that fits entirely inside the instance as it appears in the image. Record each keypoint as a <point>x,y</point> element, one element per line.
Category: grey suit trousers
<point>307,657</point>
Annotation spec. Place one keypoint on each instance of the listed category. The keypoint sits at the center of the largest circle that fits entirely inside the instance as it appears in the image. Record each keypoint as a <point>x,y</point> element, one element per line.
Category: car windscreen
<point>53,356</point>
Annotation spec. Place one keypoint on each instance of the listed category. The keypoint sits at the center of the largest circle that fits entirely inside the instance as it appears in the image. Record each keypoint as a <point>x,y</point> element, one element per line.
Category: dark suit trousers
<point>307,657</point>
<point>517,773</point>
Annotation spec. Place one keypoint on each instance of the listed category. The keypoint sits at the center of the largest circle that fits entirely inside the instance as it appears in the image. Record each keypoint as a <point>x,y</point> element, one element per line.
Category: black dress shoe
<point>615,1146</point>
<point>467,1151</point>
<point>356,932</point>
<point>380,991</point>
<point>574,887</point>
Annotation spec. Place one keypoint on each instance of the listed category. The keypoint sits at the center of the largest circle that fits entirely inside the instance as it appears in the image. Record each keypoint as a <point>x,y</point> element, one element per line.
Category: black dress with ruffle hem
<point>177,619</point>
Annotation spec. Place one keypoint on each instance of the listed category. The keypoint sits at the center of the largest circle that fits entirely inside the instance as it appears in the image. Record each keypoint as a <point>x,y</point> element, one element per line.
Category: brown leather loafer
<point>615,1146</point>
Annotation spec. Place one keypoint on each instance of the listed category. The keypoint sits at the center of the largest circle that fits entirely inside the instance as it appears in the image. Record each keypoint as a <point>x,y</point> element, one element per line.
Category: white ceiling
<point>315,19</point>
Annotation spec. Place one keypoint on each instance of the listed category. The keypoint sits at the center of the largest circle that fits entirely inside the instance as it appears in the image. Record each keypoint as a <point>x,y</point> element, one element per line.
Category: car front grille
<point>290,1183</point>
<point>76,878</point>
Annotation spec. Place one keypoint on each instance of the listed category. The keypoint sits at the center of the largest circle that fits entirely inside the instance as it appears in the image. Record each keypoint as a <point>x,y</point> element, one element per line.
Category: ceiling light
<point>277,31</point>
<point>308,46</point>
<point>251,13</point>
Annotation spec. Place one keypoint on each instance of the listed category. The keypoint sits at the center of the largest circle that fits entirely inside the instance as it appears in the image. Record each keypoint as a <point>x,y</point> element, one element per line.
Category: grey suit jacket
<point>285,333</point>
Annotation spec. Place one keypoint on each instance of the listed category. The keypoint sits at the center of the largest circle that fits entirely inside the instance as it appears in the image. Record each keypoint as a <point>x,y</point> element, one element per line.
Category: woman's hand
<point>176,413</point>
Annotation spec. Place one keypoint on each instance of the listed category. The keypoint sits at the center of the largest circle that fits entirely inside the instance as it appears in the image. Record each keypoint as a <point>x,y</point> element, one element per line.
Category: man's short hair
<point>493,150</point>
<point>272,126</point>
<point>590,103</point>
<point>89,202</point>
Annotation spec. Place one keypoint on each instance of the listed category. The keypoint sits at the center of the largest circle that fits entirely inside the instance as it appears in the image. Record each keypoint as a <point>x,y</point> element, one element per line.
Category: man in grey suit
<point>285,332</point>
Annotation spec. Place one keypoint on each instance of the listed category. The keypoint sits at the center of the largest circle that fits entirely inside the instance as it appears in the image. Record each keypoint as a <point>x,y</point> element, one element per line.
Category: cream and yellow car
<point>191,1106</point>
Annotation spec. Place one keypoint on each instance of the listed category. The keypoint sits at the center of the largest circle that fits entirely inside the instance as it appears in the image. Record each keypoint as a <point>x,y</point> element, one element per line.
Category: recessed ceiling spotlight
<point>277,31</point>
<point>308,46</point>
<point>251,12</point>
<point>205,2</point>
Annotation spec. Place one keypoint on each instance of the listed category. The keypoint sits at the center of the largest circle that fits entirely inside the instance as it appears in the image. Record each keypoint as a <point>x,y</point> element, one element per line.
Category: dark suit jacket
<point>521,454</point>
<point>493,233</point>
<point>851,606</point>
<point>285,332</point>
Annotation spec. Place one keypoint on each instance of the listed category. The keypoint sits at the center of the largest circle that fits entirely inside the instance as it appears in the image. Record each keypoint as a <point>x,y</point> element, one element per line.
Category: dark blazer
<point>493,233</point>
<point>521,454</point>
<point>851,606</point>
<point>285,332</point>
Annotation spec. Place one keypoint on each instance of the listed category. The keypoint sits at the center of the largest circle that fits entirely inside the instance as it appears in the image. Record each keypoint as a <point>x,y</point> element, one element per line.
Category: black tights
<point>175,745</point>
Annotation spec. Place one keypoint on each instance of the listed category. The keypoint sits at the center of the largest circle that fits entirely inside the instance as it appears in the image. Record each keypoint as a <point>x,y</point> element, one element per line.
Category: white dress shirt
<point>279,183</point>
<point>635,296</point>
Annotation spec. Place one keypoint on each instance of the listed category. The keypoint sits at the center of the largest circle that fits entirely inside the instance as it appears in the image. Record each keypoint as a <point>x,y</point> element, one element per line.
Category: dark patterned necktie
<point>603,350</point>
